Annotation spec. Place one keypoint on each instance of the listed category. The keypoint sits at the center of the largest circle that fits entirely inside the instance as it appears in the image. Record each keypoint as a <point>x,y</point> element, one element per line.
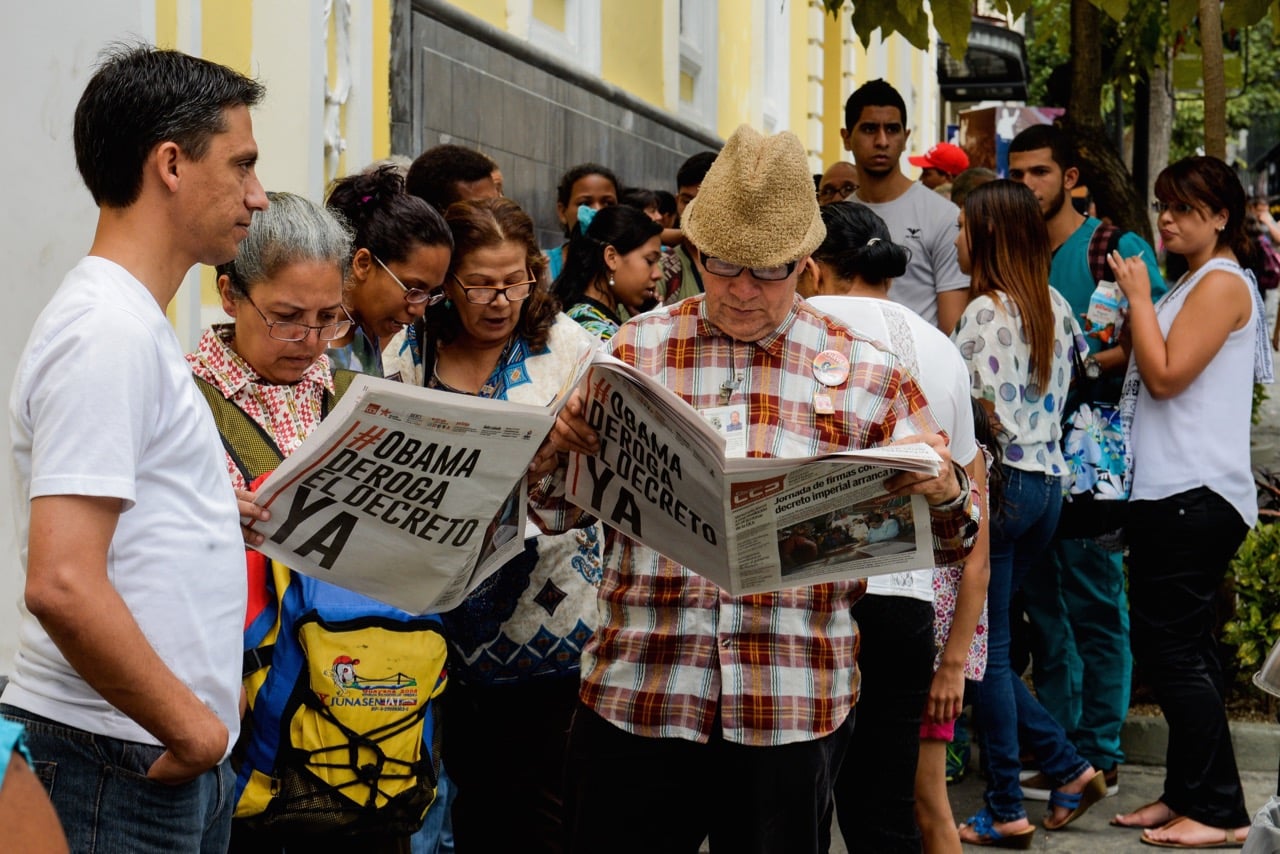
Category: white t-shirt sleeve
<point>942,251</point>
<point>964,445</point>
<point>89,403</point>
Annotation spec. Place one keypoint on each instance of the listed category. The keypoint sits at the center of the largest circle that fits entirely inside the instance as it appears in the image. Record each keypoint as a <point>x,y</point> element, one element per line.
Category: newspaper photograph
<point>408,495</point>
<point>750,524</point>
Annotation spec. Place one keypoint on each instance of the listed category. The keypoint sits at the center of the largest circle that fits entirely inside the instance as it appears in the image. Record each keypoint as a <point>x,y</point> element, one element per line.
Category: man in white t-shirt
<point>127,675</point>
<point>875,131</point>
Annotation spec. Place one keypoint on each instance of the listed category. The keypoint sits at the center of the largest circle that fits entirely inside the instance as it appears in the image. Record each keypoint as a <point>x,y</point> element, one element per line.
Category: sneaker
<point>957,761</point>
<point>1038,786</point>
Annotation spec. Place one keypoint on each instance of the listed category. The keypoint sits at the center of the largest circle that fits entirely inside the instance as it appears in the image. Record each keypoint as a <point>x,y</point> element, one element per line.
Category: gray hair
<point>291,230</point>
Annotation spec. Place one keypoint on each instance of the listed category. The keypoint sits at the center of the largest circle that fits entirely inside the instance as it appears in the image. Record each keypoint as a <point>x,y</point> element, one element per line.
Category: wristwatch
<point>1092,369</point>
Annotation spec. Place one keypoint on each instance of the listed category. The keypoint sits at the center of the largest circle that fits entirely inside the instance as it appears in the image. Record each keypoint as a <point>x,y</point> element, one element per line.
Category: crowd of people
<point>592,694</point>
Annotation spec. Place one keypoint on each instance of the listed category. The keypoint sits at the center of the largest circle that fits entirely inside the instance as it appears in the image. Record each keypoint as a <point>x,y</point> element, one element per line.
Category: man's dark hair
<point>434,176</point>
<point>695,169</point>
<point>140,97</point>
<point>1051,137</point>
<point>666,202</point>
<point>639,198</point>
<point>874,93</point>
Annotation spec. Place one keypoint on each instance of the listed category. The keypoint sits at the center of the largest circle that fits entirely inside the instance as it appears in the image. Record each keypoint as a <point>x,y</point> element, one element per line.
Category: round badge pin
<point>831,367</point>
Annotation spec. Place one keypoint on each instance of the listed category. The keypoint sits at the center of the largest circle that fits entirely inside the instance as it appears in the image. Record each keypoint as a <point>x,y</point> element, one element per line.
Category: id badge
<point>731,423</point>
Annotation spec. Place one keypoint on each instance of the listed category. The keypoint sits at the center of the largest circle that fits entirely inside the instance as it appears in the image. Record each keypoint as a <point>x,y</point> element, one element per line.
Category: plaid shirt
<point>673,649</point>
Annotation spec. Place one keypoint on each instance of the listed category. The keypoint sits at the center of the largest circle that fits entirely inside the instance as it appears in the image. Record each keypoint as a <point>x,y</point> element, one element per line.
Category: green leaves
<point>1243,13</point>
<point>909,19</point>
<point>1115,9</point>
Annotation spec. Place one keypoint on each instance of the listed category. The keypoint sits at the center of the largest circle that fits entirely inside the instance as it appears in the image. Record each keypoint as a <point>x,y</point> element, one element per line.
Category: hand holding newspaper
<point>749,525</point>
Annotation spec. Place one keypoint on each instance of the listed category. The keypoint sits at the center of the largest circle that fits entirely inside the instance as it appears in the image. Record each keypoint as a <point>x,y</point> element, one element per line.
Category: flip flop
<point>1116,822</point>
<point>1094,791</point>
<point>1228,839</point>
<point>983,824</point>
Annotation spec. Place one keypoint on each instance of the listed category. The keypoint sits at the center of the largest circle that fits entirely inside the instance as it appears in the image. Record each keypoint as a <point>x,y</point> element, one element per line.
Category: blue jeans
<point>1021,528</point>
<point>436,835</point>
<point>1079,616</point>
<point>105,802</point>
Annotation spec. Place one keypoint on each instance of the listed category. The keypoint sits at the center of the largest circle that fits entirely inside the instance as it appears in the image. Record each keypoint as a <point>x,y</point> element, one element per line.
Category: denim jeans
<point>1079,616</point>
<point>1021,528</point>
<point>1179,550</point>
<point>875,792</point>
<point>105,802</point>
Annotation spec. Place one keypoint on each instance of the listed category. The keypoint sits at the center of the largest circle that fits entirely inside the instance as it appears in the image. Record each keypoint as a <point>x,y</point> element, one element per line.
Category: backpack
<point>1092,440</point>
<point>1268,270</point>
<point>341,734</point>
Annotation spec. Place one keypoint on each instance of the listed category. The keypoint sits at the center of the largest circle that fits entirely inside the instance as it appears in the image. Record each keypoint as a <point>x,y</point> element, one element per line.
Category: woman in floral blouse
<point>1016,336</point>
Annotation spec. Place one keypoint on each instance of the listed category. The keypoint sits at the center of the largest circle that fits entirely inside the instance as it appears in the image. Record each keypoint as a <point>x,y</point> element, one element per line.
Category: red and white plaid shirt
<point>672,648</point>
<point>287,413</point>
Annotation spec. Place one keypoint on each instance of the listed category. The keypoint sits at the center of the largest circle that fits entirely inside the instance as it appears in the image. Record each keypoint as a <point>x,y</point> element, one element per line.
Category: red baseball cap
<point>945,157</point>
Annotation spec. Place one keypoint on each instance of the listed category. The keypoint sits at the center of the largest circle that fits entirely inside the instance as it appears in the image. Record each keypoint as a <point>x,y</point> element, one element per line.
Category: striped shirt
<point>673,649</point>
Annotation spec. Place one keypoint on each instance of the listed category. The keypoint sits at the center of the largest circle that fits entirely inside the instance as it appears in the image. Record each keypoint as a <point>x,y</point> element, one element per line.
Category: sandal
<point>1228,840</point>
<point>1094,791</point>
<point>983,824</point>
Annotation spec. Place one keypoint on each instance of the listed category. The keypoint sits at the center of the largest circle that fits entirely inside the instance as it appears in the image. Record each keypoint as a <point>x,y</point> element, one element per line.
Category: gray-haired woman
<point>283,292</point>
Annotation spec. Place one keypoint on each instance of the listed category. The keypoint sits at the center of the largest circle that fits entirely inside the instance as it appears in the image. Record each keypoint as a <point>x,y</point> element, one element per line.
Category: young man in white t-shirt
<point>127,676</point>
<point>875,131</point>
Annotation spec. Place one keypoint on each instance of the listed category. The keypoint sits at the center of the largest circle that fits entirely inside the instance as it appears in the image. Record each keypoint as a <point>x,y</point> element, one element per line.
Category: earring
<point>611,280</point>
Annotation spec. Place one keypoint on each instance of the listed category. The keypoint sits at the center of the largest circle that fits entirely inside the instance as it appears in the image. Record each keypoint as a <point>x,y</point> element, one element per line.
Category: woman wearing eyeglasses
<point>1196,353</point>
<point>268,367</point>
<point>515,642</point>
<point>401,255</point>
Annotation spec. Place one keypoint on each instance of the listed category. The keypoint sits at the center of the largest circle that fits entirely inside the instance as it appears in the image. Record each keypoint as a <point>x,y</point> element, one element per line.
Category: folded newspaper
<point>405,494</point>
<point>750,525</point>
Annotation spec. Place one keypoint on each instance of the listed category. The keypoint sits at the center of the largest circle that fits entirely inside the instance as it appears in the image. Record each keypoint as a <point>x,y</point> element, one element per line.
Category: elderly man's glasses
<point>727,269</point>
<point>485,294</point>
<point>836,192</point>
<point>288,330</point>
<point>413,296</point>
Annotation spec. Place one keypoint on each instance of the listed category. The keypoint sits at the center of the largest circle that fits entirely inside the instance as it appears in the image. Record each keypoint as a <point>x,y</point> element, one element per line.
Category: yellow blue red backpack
<point>341,733</point>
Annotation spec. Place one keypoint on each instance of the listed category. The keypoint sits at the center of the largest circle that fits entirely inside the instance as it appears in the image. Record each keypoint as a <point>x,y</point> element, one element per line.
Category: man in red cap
<point>940,164</point>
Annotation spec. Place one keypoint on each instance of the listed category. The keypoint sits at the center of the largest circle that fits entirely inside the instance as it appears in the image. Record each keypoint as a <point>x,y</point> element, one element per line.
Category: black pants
<point>627,793</point>
<point>504,747</point>
<point>875,791</point>
<point>1179,551</point>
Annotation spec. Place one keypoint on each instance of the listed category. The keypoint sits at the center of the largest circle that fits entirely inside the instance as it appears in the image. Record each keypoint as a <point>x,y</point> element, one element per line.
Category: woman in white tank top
<point>1194,359</point>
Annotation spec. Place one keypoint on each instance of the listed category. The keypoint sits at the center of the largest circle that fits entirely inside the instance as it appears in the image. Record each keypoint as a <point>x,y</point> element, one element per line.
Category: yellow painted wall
<point>550,12</point>
<point>631,48</point>
<point>733,72</point>
<point>832,97</point>
<point>167,23</point>
<point>490,11</point>
<point>799,55</point>
<point>226,30</point>
<point>381,78</point>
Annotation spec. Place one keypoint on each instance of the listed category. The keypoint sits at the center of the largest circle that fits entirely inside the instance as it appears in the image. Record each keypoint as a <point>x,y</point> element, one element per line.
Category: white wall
<point>47,221</point>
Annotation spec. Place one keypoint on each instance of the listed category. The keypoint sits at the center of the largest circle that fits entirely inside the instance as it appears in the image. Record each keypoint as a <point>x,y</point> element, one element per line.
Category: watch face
<point>1092,369</point>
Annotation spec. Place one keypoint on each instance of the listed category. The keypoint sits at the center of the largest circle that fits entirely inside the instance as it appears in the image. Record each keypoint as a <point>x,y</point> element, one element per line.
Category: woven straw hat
<point>756,206</point>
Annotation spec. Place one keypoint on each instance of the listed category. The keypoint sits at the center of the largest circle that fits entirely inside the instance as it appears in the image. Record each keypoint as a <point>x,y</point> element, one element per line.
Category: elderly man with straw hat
<point>703,713</point>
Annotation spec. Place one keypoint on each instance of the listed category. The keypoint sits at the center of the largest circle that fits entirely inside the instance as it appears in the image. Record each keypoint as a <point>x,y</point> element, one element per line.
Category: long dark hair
<point>622,227</point>
<point>1009,253</point>
<point>479,224</point>
<point>385,219</point>
<point>1208,183</point>
<point>858,244</point>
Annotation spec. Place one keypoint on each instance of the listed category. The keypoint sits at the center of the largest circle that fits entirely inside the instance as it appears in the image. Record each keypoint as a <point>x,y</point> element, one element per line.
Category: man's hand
<point>250,513</point>
<point>572,432</point>
<point>544,462</point>
<point>941,489</point>
<point>190,755</point>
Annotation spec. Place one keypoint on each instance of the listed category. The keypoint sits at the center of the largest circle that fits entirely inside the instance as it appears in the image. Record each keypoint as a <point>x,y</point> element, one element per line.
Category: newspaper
<point>405,494</point>
<point>749,525</point>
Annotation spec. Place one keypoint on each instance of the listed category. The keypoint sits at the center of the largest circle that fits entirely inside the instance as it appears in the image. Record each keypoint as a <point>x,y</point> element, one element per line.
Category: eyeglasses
<point>485,294</point>
<point>413,296</point>
<point>837,191</point>
<point>727,270</point>
<point>1180,208</point>
<point>288,330</point>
